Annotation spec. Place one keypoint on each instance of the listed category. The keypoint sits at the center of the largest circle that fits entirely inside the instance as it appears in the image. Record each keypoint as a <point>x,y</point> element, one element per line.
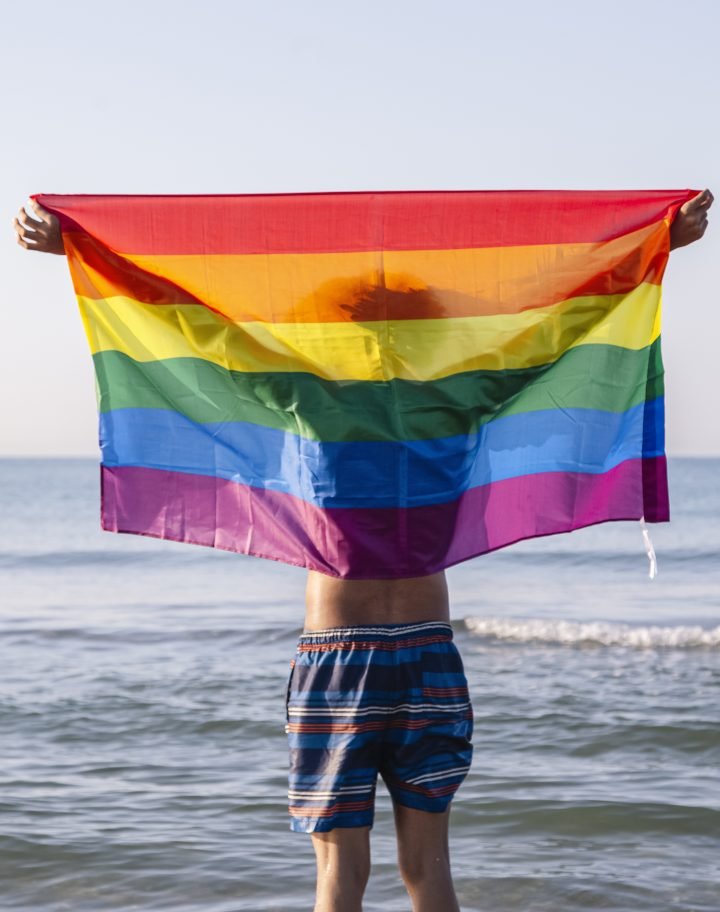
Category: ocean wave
<point>573,633</point>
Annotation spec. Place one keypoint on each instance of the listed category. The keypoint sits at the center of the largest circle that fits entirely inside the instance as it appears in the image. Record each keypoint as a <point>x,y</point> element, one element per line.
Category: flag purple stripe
<point>376,543</point>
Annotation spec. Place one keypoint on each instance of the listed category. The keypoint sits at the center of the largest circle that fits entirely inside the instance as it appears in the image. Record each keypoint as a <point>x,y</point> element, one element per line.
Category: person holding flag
<point>371,650</point>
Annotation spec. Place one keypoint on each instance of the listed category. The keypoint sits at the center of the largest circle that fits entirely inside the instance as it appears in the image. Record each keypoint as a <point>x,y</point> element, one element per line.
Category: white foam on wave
<point>572,633</point>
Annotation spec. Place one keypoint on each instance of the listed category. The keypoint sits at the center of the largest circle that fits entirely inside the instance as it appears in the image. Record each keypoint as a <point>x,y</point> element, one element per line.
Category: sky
<point>250,97</point>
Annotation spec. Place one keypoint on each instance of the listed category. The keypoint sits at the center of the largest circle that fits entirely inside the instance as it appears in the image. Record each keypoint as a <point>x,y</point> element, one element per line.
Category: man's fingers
<point>701,201</point>
<point>23,243</point>
<point>28,223</point>
<point>29,229</point>
<point>20,225</point>
<point>27,234</point>
<point>705,200</point>
<point>41,212</point>
<point>21,222</point>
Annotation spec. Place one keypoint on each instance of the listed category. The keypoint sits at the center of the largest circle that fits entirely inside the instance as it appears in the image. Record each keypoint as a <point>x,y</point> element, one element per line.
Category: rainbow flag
<point>374,385</point>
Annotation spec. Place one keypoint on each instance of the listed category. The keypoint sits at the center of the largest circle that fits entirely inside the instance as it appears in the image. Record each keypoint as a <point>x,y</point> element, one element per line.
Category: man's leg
<point>332,731</point>
<point>425,759</point>
<point>343,868</point>
<point>424,859</point>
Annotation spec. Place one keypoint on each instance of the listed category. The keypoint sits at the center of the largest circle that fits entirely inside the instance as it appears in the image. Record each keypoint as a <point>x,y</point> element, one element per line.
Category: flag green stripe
<point>606,377</point>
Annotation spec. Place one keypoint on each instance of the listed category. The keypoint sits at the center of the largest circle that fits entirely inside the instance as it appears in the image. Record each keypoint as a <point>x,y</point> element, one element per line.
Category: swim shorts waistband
<point>381,636</point>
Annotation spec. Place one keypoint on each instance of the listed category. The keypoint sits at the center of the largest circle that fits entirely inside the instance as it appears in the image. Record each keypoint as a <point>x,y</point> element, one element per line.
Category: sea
<point>142,746</point>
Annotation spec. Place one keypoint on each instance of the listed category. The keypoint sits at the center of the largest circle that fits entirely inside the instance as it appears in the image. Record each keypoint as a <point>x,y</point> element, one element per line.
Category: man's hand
<point>41,233</point>
<point>691,221</point>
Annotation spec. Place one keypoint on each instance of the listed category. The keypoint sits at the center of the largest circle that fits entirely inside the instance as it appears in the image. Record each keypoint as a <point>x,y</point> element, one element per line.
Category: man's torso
<point>331,602</point>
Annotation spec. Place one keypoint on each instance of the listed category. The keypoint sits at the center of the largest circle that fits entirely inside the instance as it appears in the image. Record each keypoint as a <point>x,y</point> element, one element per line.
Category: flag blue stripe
<point>384,473</point>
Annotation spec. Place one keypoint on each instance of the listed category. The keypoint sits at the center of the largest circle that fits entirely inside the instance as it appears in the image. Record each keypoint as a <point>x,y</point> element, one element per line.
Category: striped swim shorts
<point>389,699</point>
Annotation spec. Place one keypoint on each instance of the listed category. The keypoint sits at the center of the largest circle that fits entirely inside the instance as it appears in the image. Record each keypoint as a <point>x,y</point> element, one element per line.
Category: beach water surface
<point>142,744</point>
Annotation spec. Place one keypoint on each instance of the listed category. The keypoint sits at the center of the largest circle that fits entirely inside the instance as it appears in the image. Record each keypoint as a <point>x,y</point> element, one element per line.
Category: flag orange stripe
<point>374,285</point>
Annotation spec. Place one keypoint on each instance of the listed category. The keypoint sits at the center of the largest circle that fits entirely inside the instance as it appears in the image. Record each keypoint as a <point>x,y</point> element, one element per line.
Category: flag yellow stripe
<point>406,349</point>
